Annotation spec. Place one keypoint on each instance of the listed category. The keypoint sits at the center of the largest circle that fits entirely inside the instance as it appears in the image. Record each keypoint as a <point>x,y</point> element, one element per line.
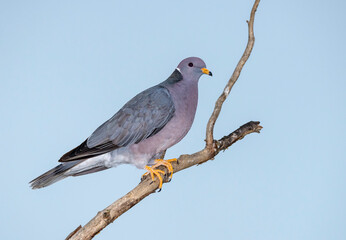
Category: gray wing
<point>140,118</point>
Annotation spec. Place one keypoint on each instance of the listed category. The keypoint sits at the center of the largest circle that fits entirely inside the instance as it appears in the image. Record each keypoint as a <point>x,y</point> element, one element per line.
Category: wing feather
<point>140,118</point>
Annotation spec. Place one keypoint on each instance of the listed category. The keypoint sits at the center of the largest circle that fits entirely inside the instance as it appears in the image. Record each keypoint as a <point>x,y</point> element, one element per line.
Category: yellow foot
<point>167,164</point>
<point>157,172</point>
<point>153,172</point>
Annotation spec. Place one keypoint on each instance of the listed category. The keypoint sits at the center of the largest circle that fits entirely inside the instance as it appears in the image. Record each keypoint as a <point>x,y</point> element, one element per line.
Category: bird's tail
<point>53,175</point>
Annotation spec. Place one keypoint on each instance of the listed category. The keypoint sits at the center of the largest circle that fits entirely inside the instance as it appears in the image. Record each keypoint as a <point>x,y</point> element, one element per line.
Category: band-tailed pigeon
<point>140,131</point>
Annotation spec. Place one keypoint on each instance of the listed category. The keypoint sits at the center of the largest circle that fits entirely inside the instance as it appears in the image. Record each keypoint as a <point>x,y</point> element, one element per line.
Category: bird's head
<point>193,68</point>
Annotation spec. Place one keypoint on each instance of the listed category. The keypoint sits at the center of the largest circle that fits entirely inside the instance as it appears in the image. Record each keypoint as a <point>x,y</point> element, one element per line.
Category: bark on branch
<point>233,79</point>
<point>212,148</point>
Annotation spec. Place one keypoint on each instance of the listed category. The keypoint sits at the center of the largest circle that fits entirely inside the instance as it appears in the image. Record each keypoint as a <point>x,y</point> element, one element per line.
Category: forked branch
<point>212,148</point>
<point>233,79</point>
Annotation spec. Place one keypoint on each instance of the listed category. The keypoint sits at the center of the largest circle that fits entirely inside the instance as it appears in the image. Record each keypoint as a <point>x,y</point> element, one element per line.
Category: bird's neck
<point>185,97</point>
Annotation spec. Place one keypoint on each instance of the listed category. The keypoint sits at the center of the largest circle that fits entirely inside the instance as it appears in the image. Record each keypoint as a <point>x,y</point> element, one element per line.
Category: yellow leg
<point>157,172</point>
<point>153,172</point>
<point>166,163</point>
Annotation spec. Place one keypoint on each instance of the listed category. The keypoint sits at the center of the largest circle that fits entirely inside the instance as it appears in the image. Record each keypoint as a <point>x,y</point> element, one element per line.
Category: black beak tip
<point>210,74</point>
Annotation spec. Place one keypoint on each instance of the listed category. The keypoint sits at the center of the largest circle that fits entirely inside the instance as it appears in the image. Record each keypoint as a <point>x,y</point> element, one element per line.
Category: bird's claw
<point>156,172</point>
<point>167,164</point>
<point>169,179</point>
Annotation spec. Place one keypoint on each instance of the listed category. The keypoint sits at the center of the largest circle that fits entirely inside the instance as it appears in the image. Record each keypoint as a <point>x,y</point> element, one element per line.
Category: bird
<point>140,132</point>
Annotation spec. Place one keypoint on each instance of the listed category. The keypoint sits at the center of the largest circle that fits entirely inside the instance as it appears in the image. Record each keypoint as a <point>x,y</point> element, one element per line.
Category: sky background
<point>67,66</point>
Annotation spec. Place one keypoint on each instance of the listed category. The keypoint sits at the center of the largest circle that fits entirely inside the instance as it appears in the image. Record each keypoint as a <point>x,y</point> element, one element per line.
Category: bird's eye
<point>190,64</point>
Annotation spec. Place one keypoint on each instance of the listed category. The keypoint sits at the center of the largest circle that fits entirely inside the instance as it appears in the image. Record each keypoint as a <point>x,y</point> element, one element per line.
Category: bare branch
<point>213,147</point>
<point>146,186</point>
<point>232,80</point>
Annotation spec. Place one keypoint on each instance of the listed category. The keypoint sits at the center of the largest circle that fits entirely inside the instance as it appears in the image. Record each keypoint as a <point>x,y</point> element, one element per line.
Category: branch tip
<point>233,79</point>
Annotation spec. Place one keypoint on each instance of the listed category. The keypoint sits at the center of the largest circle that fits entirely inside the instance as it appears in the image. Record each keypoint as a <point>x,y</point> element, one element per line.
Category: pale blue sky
<point>67,66</point>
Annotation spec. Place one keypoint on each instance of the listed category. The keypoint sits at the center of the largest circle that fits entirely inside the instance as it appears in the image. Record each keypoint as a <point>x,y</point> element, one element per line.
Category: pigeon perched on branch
<point>140,131</point>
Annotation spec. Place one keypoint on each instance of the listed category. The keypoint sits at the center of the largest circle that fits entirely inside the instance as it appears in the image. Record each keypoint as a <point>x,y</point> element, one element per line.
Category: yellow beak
<point>206,71</point>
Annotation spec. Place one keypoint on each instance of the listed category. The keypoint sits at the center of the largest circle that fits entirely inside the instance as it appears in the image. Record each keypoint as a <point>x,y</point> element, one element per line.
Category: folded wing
<point>140,118</point>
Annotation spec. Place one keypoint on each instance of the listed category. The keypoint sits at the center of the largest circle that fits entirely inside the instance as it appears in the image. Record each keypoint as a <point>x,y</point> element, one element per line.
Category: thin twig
<point>232,80</point>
